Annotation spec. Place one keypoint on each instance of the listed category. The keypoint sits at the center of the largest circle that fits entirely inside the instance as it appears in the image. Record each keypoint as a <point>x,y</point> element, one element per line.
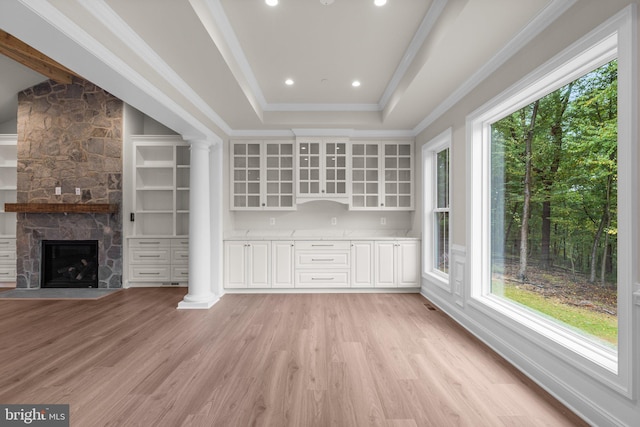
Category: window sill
<point>438,279</point>
<point>522,321</point>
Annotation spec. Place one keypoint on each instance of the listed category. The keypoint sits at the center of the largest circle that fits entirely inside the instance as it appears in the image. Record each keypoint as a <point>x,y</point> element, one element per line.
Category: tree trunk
<point>526,206</point>
<point>557,135</point>
<point>605,220</point>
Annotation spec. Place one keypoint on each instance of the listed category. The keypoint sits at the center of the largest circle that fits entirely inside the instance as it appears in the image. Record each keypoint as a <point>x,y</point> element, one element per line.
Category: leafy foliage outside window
<point>441,212</point>
<point>554,203</point>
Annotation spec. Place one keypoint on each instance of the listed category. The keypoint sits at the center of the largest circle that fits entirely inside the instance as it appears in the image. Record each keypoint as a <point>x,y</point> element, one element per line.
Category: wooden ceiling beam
<point>33,59</point>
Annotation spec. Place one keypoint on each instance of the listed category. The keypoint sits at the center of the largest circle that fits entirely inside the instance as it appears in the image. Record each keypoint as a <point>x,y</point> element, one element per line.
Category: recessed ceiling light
<point>289,82</point>
<point>273,2</point>
<point>379,2</point>
<point>355,83</point>
<point>326,2</point>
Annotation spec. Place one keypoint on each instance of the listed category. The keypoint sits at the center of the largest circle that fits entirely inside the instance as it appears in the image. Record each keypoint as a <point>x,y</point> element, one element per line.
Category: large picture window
<point>552,204</point>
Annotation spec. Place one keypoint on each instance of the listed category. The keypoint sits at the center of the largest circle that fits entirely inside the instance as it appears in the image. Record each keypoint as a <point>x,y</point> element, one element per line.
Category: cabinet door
<point>278,192</point>
<point>408,264</point>
<point>259,264</point>
<point>245,166</point>
<point>335,169</point>
<point>385,265</point>
<point>362,264</point>
<point>235,264</point>
<point>309,158</point>
<point>282,264</point>
<point>365,176</point>
<point>398,176</point>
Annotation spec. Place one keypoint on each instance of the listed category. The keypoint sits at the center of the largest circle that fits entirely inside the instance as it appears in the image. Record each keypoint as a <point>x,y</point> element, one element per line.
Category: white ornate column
<point>200,295</point>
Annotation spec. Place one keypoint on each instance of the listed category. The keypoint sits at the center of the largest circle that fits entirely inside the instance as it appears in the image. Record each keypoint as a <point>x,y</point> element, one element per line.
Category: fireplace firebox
<point>69,264</point>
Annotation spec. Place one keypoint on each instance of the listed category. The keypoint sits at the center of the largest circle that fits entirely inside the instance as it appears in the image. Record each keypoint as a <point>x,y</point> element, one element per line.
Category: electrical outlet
<point>58,191</point>
<point>78,193</point>
<point>334,220</point>
<point>383,220</point>
<point>272,221</point>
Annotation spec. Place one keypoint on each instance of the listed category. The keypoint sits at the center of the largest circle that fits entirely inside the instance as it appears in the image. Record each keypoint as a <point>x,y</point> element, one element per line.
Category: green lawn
<point>599,325</point>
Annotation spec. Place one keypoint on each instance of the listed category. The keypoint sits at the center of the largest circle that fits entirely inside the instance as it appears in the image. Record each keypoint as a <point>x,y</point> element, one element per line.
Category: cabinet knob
<point>381,204</point>
<point>264,204</point>
<point>323,191</point>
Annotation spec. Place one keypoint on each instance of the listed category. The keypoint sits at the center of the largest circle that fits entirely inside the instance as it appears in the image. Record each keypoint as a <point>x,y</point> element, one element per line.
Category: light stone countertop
<point>321,235</point>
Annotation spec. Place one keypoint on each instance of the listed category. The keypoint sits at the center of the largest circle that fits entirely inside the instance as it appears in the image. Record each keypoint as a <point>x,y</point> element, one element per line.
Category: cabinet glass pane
<point>309,169</point>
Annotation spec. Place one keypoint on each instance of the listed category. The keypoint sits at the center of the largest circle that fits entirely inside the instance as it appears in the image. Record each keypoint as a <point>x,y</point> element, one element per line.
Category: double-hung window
<point>436,222</point>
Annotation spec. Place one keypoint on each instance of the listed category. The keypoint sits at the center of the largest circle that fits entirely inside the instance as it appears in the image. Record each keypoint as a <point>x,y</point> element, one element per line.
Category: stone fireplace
<point>70,138</point>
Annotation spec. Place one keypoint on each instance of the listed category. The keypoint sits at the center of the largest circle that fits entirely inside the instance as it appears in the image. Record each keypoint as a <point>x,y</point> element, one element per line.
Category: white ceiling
<point>223,63</point>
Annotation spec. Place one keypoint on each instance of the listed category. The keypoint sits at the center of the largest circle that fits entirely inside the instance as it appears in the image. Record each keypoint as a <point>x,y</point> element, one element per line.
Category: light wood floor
<point>132,359</point>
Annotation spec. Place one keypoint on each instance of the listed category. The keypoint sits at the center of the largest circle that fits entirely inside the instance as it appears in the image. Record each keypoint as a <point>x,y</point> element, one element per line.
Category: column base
<point>197,305</point>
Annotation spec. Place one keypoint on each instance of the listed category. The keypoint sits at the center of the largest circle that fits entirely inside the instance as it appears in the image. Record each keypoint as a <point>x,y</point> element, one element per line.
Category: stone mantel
<point>61,207</point>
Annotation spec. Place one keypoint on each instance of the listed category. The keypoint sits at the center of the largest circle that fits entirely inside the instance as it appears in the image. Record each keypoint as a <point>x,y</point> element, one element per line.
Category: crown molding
<point>121,30</point>
<point>548,15</point>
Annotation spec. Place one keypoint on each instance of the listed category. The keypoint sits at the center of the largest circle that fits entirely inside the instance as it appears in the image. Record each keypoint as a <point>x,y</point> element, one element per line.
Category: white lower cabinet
<point>397,264</point>
<point>362,264</point>
<point>7,260</point>
<point>321,264</point>
<point>282,260</point>
<point>247,264</point>
<point>158,261</point>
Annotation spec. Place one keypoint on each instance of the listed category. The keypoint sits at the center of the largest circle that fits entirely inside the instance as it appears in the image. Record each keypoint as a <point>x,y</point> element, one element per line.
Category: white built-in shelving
<point>8,194</point>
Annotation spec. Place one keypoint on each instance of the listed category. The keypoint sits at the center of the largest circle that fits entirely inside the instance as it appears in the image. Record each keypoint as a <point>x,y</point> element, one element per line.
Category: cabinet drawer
<point>149,243</point>
<point>322,245</point>
<point>7,257</point>
<point>7,274</point>
<point>155,273</point>
<point>180,243</point>
<point>150,256</point>
<point>179,273</point>
<point>314,259</point>
<point>179,256</point>
<point>7,244</point>
<point>322,279</point>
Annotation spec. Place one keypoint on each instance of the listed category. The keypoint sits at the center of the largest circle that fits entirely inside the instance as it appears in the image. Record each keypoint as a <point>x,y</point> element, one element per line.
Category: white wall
<point>590,398</point>
<point>9,127</point>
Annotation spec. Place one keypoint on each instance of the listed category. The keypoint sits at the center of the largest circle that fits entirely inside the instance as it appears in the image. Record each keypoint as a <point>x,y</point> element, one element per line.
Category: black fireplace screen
<point>69,264</point>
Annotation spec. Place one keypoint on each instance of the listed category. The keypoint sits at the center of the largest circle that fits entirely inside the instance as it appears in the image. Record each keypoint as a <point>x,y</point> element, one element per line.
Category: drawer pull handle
<point>323,278</point>
<point>323,245</point>
<point>150,274</point>
<point>149,256</point>
<point>322,259</point>
<point>4,256</point>
<point>4,243</point>
<point>149,243</point>
<point>4,274</point>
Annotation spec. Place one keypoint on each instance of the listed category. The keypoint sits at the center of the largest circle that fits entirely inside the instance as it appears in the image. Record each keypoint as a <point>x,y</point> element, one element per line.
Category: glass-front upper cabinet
<point>381,175</point>
<point>322,171</point>
<point>261,175</point>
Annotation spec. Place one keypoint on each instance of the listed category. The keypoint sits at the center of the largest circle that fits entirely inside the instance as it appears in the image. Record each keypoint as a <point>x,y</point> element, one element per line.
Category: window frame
<point>613,39</point>
<point>430,151</point>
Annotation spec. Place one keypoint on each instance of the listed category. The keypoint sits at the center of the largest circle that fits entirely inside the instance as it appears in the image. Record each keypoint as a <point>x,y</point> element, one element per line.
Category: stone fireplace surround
<point>69,136</point>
